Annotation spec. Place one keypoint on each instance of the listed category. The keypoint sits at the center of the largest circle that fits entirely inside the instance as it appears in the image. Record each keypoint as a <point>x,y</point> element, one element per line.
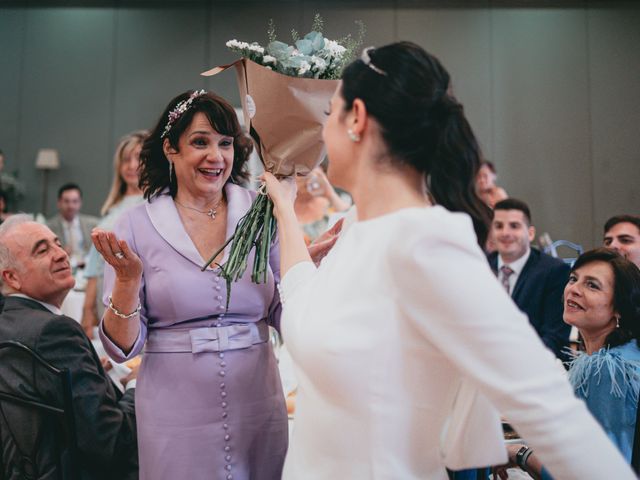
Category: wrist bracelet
<point>122,315</point>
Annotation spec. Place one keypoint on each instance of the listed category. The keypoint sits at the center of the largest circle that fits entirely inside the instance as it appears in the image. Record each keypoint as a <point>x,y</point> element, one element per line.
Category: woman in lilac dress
<point>209,404</point>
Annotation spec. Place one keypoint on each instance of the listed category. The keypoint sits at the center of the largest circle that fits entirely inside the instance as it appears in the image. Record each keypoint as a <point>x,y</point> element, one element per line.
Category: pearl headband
<point>366,59</point>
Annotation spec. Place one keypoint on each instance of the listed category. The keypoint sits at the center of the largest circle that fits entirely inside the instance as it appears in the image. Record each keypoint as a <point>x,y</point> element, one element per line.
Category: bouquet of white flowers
<point>313,56</point>
<point>284,91</point>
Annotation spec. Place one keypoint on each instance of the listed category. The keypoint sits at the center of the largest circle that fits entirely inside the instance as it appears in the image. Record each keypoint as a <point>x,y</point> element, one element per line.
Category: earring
<point>617,321</point>
<point>170,171</point>
<point>355,137</point>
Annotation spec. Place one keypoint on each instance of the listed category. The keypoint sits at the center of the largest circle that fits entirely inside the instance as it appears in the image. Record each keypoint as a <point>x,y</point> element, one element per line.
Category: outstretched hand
<point>117,253</point>
<point>322,245</point>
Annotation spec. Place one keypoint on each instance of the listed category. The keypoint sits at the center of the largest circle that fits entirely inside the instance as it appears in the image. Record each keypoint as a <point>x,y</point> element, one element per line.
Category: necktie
<point>506,273</point>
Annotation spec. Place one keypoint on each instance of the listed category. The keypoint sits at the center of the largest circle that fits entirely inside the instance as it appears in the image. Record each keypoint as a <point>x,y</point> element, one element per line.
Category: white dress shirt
<point>73,237</point>
<point>401,314</point>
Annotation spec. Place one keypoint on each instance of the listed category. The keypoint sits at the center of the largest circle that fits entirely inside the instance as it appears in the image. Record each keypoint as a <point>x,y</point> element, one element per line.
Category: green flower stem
<point>255,230</point>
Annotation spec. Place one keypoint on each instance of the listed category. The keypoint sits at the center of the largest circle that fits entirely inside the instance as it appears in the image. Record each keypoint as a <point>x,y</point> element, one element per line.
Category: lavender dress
<point>216,411</point>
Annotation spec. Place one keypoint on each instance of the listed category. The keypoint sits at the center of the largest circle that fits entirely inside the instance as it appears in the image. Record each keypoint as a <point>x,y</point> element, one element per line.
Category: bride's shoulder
<point>435,223</point>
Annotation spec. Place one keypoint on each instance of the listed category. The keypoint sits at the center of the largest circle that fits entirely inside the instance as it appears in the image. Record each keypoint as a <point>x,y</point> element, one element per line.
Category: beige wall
<point>552,92</point>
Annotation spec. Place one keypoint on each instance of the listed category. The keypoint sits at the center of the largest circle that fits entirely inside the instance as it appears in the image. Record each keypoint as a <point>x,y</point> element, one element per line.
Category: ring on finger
<point>119,255</point>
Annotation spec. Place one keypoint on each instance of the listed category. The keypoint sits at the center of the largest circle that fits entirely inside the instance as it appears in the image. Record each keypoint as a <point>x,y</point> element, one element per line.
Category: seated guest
<point>622,234</point>
<point>602,299</point>
<point>70,226</point>
<point>533,279</point>
<point>35,277</point>
<point>12,188</point>
<point>486,187</point>
<point>4,214</point>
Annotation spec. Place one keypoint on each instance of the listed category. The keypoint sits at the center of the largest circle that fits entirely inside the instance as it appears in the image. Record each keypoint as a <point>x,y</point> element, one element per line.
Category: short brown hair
<point>514,204</point>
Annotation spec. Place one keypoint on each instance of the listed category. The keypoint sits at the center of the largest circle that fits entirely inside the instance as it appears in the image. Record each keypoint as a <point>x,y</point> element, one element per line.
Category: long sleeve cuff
<point>114,351</point>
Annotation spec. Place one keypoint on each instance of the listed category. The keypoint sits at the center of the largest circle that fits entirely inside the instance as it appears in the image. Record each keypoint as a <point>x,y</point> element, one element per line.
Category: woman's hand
<point>125,262</point>
<point>322,245</point>
<point>282,192</point>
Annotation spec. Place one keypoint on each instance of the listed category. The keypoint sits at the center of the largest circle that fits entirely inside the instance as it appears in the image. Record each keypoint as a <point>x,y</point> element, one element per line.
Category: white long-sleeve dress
<point>403,312</point>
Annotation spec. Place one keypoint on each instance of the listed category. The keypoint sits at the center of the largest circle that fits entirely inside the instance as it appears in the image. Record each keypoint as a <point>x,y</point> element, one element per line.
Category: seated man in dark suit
<point>35,277</point>
<point>534,279</point>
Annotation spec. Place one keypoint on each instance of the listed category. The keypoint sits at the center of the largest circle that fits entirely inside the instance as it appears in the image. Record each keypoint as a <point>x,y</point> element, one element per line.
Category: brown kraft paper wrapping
<point>284,115</point>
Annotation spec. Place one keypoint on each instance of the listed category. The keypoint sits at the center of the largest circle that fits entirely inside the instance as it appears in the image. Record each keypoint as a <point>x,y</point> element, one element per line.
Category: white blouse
<point>404,311</point>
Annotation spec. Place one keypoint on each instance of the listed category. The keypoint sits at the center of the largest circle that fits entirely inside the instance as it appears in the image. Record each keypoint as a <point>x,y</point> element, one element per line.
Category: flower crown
<point>179,110</point>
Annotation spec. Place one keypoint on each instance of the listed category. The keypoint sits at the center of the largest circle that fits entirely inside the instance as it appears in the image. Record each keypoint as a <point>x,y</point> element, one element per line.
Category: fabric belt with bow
<point>207,339</point>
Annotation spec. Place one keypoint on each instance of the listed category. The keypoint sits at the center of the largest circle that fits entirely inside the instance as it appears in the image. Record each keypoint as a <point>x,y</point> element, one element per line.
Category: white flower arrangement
<point>312,56</point>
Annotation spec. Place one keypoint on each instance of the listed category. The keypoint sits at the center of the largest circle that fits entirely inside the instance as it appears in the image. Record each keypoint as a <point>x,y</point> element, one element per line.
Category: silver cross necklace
<point>212,212</point>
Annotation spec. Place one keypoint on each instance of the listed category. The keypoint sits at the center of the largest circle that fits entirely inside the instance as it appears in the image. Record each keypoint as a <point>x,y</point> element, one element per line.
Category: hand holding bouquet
<point>284,90</point>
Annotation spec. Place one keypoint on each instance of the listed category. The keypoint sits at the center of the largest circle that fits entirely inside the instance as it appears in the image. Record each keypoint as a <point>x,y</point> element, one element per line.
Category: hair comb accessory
<point>366,59</point>
<point>179,110</point>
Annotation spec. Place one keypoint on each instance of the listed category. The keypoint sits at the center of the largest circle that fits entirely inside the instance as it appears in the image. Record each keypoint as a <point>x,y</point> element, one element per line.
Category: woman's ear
<point>167,148</point>
<point>358,120</point>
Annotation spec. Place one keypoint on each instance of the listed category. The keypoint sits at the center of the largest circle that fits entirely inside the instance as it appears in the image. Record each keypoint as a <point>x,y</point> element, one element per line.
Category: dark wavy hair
<point>613,221</point>
<point>422,124</point>
<point>154,166</point>
<point>626,293</point>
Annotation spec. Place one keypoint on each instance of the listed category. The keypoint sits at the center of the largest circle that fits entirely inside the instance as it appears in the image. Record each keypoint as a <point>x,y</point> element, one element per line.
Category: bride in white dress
<point>405,345</point>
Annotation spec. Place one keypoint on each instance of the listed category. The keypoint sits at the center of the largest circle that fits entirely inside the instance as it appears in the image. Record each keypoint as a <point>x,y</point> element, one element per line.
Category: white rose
<point>304,68</point>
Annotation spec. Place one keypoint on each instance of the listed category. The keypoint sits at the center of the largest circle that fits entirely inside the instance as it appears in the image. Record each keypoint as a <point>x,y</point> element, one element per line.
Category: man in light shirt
<point>534,279</point>
<point>70,226</point>
<point>35,277</point>
<point>622,234</point>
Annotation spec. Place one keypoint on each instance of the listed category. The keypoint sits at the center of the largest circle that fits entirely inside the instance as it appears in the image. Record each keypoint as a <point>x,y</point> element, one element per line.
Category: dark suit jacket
<point>105,419</point>
<point>538,293</point>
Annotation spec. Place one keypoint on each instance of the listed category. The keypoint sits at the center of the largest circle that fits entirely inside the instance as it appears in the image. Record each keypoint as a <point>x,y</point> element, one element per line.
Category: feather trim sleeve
<point>605,366</point>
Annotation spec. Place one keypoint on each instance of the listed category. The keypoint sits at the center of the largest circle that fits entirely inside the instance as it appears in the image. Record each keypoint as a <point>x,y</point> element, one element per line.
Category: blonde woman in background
<point>486,187</point>
<point>123,195</point>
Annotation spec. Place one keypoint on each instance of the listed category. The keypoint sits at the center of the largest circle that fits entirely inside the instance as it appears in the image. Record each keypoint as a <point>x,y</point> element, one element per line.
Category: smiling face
<point>588,299</point>
<point>130,164</point>
<point>204,160</point>
<point>624,238</point>
<point>70,203</point>
<point>43,271</point>
<point>512,234</point>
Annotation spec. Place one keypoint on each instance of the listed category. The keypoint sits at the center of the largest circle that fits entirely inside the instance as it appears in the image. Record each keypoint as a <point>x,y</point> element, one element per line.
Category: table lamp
<point>47,159</point>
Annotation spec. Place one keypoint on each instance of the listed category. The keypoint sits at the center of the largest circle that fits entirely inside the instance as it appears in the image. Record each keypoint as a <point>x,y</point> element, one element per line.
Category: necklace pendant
<point>212,213</point>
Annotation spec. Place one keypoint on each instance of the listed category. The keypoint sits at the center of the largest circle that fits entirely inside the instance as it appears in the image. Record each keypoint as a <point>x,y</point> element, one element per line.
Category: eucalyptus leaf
<point>316,39</point>
<point>296,62</point>
<point>304,46</point>
<point>279,50</point>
